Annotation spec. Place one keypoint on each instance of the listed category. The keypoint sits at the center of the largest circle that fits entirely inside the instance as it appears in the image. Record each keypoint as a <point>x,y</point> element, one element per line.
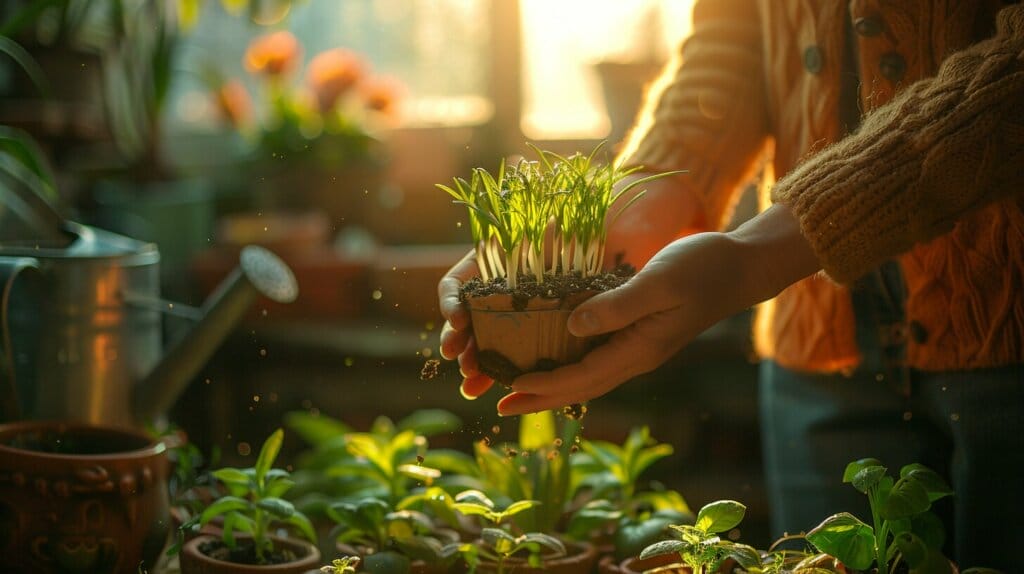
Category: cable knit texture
<point>932,177</point>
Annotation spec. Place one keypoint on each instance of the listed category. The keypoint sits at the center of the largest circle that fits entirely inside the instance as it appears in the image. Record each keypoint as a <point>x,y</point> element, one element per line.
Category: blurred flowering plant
<point>330,115</point>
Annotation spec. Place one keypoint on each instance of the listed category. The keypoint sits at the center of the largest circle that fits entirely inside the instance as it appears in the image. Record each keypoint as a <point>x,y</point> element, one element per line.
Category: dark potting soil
<point>553,287</point>
<point>244,553</point>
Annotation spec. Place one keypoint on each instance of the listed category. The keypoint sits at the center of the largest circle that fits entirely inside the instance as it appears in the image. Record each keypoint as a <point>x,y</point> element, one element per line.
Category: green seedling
<point>343,565</point>
<point>903,529</point>
<point>510,213</point>
<point>253,504</point>
<point>700,547</point>
<point>498,543</point>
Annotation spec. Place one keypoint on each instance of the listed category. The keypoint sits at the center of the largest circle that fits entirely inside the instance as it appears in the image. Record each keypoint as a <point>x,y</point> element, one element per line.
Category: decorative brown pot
<point>194,561</point>
<point>580,559</point>
<point>80,498</point>
<point>511,341</point>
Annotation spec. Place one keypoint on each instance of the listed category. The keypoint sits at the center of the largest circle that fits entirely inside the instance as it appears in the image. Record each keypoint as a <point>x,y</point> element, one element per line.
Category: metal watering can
<point>81,333</point>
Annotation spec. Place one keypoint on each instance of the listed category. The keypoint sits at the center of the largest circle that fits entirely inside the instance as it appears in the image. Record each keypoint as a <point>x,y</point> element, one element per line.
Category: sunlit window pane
<point>563,42</point>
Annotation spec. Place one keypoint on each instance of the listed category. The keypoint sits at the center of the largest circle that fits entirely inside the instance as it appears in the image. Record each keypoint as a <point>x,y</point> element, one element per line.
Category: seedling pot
<point>580,560</point>
<point>81,498</point>
<point>514,339</point>
<point>195,561</point>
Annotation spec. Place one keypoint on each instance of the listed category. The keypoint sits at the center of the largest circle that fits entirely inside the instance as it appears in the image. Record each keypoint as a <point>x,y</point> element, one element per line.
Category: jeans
<point>966,425</point>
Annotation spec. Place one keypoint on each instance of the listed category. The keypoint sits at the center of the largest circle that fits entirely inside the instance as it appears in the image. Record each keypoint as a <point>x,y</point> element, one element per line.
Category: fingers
<point>448,291</point>
<point>473,387</point>
<point>468,365</point>
<point>616,309</point>
<point>453,342</point>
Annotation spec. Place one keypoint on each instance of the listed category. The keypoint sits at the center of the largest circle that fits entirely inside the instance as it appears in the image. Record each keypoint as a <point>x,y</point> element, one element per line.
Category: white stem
<point>512,278</point>
<point>481,261</point>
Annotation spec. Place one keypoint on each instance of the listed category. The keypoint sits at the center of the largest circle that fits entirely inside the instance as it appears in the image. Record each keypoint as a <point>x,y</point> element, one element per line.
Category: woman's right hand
<point>457,334</point>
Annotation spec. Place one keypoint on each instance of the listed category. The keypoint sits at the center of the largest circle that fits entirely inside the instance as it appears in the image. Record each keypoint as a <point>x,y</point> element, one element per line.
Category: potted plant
<point>698,547</point>
<point>621,515</point>
<point>504,547</point>
<point>316,142</point>
<point>539,234</point>
<point>904,532</point>
<point>253,506</point>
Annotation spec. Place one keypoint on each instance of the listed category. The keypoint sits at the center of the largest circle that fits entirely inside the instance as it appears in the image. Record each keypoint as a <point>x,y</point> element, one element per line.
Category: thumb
<point>613,310</point>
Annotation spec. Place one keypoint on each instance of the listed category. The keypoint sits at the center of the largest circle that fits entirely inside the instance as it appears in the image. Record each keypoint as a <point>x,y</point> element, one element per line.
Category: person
<point>890,251</point>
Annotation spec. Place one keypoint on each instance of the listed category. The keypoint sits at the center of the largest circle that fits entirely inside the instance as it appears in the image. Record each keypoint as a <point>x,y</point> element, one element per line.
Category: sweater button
<point>892,66</point>
<point>867,27</point>
<point>813,59</point>
<point>918,333</point>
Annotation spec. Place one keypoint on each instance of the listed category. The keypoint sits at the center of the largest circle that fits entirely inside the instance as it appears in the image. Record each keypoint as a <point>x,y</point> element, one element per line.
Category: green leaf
<point>277,487</point>
<point>981,571</point>
<point>868,478</point>
<point>858,465</point>
<point>430,422</point>
<point>420,473</point>
<point>475,497</point>
<point>519,506</point>
<point>913,549</point>
<point>387,562</point>
<point>720,516</point>
<point>315,429</point>
<point>232,476</point>
<point>24,59</point>
<point>664,547</point>
<point>934,485</point>
<point>268,453</point>
<point>301,522</point>
<point>451,461</point>
<point>745,556</point>
<point>223,505</point>
<point>846,538</point>
<point>278,507</point>
<point>929,528</point>
<point>494,536</point>
<point>545,540</point>
<point>907,498</point>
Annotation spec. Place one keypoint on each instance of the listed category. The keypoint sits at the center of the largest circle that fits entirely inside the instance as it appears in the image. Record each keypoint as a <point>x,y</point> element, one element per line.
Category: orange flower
<point>332,74</point>
<point>234,103</point>
<point>273,55</point>
<point>381,94</point>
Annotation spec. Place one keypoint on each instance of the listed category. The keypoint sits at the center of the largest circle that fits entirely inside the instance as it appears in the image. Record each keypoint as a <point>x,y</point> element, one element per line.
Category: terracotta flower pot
<point>512,339</point>
<point>194,561</point>
<point>80,498</point>
<point>580,559</point>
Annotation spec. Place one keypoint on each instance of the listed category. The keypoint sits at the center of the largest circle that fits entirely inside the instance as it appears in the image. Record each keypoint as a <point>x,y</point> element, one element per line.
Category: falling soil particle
<point>430,369</point>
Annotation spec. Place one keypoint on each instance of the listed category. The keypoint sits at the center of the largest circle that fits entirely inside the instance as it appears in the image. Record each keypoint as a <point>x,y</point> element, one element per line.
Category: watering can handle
<point>10,269</point>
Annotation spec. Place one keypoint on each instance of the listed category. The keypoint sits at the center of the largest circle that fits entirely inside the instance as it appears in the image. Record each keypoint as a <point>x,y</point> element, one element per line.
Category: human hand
<point>685,288</point>
<point>457,333</point>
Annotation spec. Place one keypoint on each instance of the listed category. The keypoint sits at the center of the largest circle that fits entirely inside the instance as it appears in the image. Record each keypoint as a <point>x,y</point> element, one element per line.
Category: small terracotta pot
<point>534,338</point>
<point>81,498</point>
<point>580,560</point>
<point>193,561</point>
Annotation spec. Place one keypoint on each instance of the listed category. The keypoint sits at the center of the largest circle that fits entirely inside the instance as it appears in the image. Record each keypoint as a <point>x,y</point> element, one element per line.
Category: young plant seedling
<point>254,502</point>
<point>343,565</point>
<point>510,213</point>
<point>903,529</point>
<point>498,543</point>
<point>701,548</point>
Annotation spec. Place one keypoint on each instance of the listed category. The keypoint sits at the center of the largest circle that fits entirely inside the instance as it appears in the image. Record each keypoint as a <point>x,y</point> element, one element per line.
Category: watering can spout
<point>259,272</point>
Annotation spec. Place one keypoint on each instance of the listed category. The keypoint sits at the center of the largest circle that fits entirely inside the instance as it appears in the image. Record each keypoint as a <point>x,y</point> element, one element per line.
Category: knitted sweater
<point>932,177</point>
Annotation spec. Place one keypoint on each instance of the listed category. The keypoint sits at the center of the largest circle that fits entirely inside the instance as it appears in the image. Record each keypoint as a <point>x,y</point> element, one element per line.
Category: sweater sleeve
<point>941,148</point>
<point>706,112</point>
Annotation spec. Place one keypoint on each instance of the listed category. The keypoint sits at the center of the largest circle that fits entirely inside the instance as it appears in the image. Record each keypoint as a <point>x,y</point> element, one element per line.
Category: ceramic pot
<point>194,561</point>
<point>580,560</point>
<point>80,498</point>
<point>536,337</point>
